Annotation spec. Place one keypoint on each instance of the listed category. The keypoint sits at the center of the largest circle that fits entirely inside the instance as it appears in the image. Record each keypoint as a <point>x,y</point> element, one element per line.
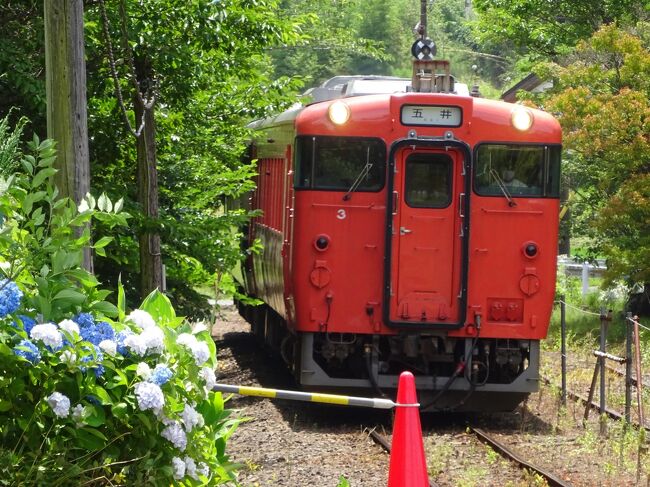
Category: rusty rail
<point>609,412</point>
<point>503,450</point>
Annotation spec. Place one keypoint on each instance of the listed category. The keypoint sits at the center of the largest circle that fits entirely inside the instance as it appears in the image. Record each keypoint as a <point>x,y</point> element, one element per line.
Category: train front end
<point>423,237</point>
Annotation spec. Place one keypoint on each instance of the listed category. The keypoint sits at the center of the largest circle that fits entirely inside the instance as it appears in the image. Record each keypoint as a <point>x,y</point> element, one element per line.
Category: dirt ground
<point>296,444</point>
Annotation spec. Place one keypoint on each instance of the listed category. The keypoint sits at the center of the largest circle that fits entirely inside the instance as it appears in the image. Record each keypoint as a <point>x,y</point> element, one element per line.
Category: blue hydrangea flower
<point>29,351</point>
<point>93,332</point>
<point>161,375</point>
<point>98,357</point>
<point>121,336</point>
<point>10,297</point>
<point>105,331</point>
<point>28,323</point>
<point>84,320</point>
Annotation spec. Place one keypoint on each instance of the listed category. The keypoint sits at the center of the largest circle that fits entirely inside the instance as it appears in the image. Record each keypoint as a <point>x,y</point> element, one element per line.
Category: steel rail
<point>609,412</point>
<point>503,450</point>
<point>621,373</point>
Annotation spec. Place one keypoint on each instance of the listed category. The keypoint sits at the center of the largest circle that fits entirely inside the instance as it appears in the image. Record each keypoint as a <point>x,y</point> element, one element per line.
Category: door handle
<point>404,231</point>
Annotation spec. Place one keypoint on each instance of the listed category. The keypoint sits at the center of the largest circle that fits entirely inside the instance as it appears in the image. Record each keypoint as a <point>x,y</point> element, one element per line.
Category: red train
<point>406,230</point>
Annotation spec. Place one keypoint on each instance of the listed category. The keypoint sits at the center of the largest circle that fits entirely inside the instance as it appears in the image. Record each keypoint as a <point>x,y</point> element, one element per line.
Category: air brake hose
<point>457,372</point>
<point>371,376</point>
<point>460,368</point>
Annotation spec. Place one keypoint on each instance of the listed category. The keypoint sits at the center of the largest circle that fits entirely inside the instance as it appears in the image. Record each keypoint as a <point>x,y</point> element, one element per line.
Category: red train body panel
<point>434,261</point>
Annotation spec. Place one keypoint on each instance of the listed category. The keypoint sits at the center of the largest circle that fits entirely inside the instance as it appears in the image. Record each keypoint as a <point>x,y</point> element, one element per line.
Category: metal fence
<point>601,364</point>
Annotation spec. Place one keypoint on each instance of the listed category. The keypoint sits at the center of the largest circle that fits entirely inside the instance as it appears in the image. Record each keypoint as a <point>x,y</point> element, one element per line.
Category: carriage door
<point>426,242</point>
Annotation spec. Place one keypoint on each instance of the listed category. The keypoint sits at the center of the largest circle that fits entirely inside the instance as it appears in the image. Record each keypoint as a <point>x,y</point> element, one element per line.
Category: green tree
<point>204,64</point>
<point>602,99</point>
<point>548,28</point>
<point>210,74</point>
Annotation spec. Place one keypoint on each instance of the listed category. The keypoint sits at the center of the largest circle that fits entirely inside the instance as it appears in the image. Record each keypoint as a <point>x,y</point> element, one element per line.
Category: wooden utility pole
<point>65,74</point>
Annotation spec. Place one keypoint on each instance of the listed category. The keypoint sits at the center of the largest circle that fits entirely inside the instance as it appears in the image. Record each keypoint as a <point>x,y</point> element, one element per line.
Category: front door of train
<point>426,264</point>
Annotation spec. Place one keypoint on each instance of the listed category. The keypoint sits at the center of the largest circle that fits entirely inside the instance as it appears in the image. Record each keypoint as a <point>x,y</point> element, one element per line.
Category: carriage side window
<point>523,170</point>
<point>428,181</point>
<point>336,163</point>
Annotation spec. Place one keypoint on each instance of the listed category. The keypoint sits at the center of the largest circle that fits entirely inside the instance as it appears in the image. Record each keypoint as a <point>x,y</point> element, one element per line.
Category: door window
<point>427,181</point>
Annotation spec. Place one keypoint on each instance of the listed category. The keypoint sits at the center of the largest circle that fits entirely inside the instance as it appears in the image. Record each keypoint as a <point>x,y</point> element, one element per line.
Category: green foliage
<point>602,99</point>
<point>123,423</point>
<point>22,61</point>
<point>42,236</point>
<point>540,27</point>
<point>9,142</point>
<point>208,63</point>
<point>343,482</point>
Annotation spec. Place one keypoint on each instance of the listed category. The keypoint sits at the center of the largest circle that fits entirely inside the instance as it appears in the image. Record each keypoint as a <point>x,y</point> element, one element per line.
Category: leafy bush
<point>92,395</point>
<point>125,401</point>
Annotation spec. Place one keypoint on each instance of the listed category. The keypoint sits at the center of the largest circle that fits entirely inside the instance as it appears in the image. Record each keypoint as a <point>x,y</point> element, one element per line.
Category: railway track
<point>551,479</point>
<point>608,411</point>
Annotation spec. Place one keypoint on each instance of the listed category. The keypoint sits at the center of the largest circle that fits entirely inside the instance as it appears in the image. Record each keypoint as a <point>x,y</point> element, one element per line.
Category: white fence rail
<point>583,269</point>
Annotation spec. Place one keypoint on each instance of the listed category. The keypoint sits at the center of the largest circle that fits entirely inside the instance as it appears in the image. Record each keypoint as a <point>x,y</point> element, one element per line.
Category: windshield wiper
<point>364,172</point>
<point>502,187</point>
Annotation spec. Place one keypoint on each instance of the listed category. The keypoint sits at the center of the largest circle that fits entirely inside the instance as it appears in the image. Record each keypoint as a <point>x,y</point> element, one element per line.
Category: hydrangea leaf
<point>97,417</point>
<point>159,307</point>
<point>105,308</point>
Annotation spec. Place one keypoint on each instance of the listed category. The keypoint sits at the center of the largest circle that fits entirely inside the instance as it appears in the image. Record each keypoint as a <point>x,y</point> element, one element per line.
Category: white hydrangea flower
<point>190,468</point>
<point>143,370</point>
<point>108,346</point>
<point>68,357</point>
<point>207,374</point>
<point>149,396</point>
<point>59,403</point>
<point>78,413</point>
<point>199,350</point>
<point>174,432</point>
<point>154,339</point>
<point>191,418</point>
<point>69,326</point>
<point>187,340</point>
<point>179,468</point>
<point>49,334</point>
<point>201,353</point>
<point>141,318</point>
<point>136,344</point>
<point>203,470</point>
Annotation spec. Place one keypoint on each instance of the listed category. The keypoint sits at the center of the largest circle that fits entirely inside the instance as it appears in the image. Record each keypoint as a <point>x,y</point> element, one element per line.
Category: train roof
<point>376,95</point>
<point>350,86</point>
<point>346,86</point>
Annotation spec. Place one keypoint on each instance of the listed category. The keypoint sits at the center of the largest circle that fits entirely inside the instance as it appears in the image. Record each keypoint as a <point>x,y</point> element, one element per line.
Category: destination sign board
<point>432,115</point>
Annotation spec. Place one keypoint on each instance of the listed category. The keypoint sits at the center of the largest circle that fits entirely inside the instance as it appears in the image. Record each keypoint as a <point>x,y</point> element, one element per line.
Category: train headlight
<point>339,112</point>
<point>522,118</point>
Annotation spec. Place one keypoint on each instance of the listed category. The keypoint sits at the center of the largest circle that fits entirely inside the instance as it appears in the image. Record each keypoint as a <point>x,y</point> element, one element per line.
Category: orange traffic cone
<point>408,466</point>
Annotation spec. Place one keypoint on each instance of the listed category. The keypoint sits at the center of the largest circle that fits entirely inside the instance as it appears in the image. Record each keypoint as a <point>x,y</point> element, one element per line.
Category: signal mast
<point>429,75</point>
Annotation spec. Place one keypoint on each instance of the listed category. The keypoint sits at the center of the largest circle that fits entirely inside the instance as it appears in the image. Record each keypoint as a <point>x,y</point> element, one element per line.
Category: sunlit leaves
<point>602,99</point>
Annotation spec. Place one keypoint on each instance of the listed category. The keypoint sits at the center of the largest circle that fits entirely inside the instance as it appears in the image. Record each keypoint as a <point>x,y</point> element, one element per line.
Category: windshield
<point>517,170</point>
<point>340,163</point>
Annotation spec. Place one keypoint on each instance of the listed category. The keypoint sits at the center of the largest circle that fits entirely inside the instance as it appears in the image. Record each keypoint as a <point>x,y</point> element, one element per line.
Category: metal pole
<point>563,349</point>
<point>369,402</point>
<point>639,377</point>
<point>628,366</point>
<point>423,19</point>
<point>603,349</point>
